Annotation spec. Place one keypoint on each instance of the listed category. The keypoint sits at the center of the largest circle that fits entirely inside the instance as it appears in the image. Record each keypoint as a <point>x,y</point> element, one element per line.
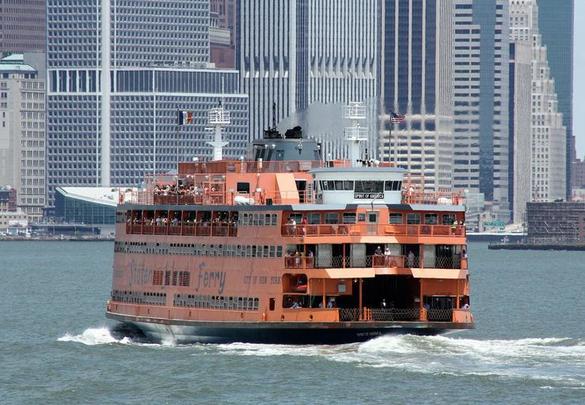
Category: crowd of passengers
<point>182,189</point>
<point>220,219</point>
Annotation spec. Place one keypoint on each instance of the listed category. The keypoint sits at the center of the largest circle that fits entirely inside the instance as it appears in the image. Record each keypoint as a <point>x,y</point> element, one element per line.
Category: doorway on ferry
<point>390,292</point>
<point>302,189</point>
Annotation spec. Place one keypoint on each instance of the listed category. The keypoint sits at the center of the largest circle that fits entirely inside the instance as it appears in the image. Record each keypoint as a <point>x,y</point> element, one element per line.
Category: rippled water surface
<point>57,347</point>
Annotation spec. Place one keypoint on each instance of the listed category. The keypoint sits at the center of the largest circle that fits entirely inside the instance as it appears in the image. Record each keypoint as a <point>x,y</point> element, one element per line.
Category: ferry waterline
<point>287,248</point>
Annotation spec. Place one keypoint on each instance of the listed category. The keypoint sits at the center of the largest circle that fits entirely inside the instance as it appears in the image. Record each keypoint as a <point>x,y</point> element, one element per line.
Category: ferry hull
<point>278,332</point>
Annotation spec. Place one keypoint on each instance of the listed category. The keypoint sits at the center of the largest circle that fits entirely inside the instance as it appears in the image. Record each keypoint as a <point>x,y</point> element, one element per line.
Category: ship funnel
<point>356,112</point>
<point>218,118</point>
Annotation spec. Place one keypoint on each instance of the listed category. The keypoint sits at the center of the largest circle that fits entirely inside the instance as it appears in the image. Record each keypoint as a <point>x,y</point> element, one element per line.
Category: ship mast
<point>218,118</point>
<point>355,134</point>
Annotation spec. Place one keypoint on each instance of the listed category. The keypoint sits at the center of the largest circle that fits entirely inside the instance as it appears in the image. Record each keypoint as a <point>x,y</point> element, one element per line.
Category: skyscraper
<point>547,132</point>
<point>22,26</point>
<point>301,54</point>
<point>417,74</point>
<point>117,77</point>
<point>520,108</point>
<point>556,27</point>
<point>480,78</point>
<point>22,134</point>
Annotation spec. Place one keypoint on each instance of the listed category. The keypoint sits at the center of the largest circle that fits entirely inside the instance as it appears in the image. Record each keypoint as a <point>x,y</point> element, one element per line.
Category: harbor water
<point>57,347</point>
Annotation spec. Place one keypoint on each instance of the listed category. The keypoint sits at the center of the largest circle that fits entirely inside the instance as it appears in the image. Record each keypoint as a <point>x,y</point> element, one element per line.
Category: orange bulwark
<point>289,251</point>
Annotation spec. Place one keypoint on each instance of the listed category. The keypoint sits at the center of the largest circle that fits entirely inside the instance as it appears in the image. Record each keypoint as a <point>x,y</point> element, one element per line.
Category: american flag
<point>396,118</point>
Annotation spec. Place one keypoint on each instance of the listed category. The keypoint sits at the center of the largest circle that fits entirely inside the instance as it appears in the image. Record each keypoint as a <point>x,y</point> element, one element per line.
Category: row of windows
<point>216,302</point>
<point>416,218</point>
<point>139,297</point>
<point>198,249</point>
<point>180,278</point>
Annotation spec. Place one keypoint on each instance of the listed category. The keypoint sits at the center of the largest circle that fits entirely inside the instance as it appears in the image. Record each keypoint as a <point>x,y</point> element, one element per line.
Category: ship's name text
<point>211,279</point>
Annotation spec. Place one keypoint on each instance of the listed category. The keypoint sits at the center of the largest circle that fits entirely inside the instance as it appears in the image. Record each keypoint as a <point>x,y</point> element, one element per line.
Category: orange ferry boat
<point>287,248</point>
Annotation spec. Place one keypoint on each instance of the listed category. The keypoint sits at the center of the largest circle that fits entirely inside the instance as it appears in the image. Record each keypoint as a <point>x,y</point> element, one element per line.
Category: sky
<point>579,79</point>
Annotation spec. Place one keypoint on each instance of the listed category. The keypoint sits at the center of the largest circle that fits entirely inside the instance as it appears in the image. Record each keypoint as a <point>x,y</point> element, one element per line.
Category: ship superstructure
<point>285,247</point>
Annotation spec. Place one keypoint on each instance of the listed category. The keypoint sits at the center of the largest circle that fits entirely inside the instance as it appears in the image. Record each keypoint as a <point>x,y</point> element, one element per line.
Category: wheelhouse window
<point>369,186</point>
<point>337,185</point>
<point>393,185</point>
<point>395,218</point>
<point>413,219</point>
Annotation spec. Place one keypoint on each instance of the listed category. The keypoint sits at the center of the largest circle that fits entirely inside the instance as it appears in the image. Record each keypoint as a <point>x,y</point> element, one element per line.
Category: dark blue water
<point>56,346</point>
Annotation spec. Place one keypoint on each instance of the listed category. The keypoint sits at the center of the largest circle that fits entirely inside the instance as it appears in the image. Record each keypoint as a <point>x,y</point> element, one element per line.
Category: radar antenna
<point>355,134</point>
<point>218,118</point>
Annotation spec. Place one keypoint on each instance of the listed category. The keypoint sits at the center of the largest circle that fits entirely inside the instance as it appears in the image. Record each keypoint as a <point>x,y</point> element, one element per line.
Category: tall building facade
<point>556,26</point>
<point>548,150</point>
<point>296,56</point>
<point>222,38</point>
<point>522,15</point>
<point>22,134</point>
<point>480,82</point>
<point>417,73</point>
<point>22,26</point>
<point>113,95</point>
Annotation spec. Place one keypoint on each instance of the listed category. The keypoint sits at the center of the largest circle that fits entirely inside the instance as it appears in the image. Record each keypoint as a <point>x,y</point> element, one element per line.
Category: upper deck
<point>285,182</point>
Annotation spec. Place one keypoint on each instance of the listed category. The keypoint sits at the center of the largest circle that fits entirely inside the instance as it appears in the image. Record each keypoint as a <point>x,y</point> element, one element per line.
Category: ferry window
<point>338,184</point>
<point>243,188</point>
<point>272,304</point>
<point>349,218</point>
<point>267,219</point>
<point>253,254</point>
<point>331,218</point>
<point>330,184</point>
<point>413,219</point>
<point>279,251</point>
<point>369,186</point>
<point>272,251</point>
<point>448,219</point>
<point>244,220</point>
<point>157,277</point>
<point>266,252</point>
<point>167,278</point>
<point>431,219</point>
<point>324,185</point>
<point>393,185</point>
<point>274,219</point>
<point>395,218</point>
<point>314,218</point>
<point>361,217</point>
<point>348,185</point>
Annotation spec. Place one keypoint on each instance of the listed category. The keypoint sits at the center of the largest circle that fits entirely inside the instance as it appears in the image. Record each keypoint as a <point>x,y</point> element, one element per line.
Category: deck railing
<point>375,261</point>
<point>321,230</point>
<point>439,315</point>
<point>379,314</point>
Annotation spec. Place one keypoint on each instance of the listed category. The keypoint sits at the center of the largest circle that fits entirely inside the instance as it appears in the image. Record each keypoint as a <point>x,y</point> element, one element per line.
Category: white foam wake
<point>559,360</point>
<point>95,336</point>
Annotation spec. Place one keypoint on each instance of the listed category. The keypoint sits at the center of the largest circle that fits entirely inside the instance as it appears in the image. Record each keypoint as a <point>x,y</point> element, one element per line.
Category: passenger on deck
<point>378,250</point>
<point>292,226</point>
<point>410,259</point>
<point>387,255</point>
<point>331,303</point>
